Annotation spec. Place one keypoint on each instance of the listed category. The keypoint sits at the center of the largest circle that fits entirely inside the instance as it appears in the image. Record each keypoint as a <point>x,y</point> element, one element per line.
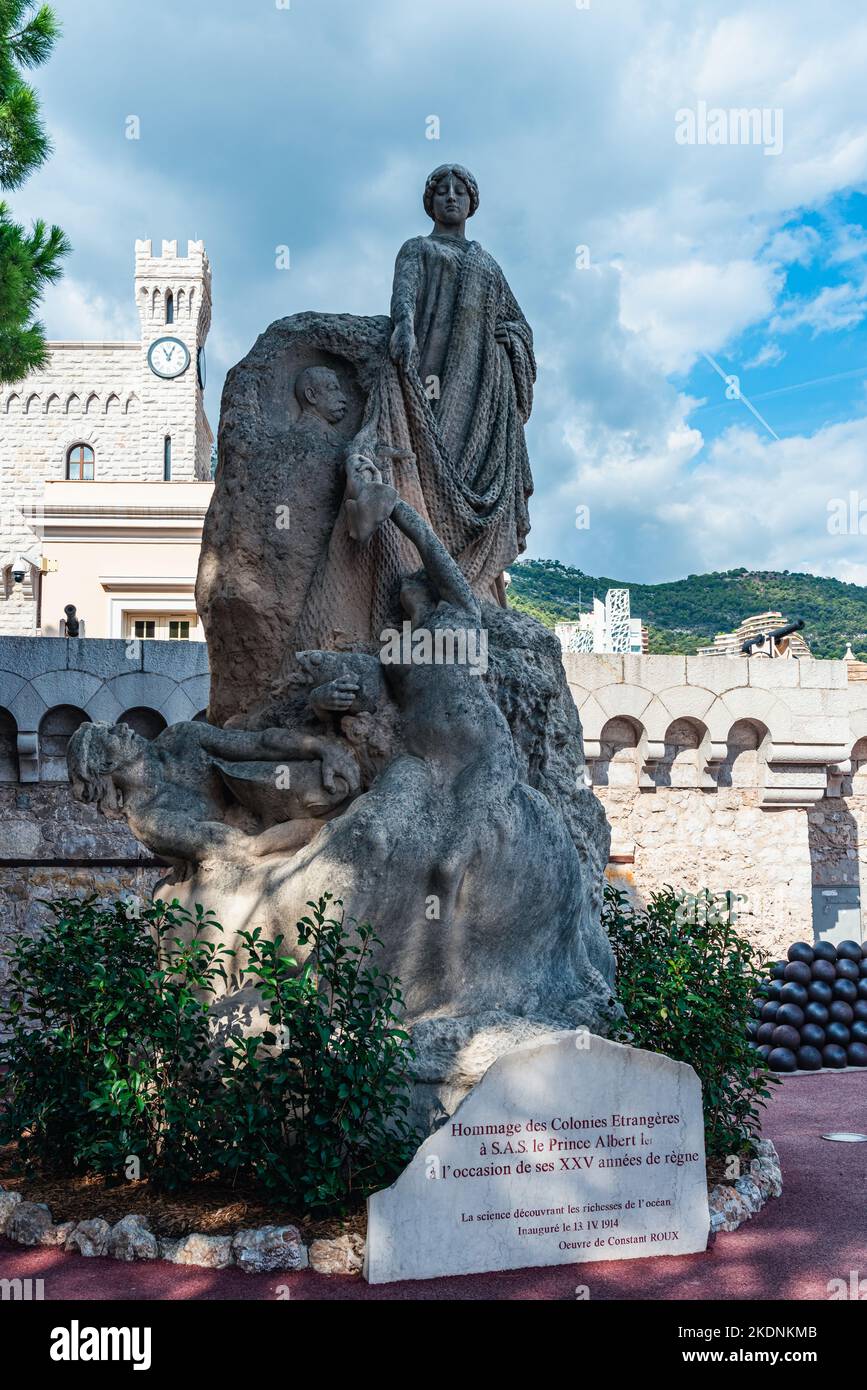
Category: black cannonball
<point>839,1012</point>
<point>752,1028</point>
<point>846,990</point>
<point>862,988</point>
<point>859,1009</point>
<point>864,949</point>
<point>812,1035</point>
<point>783,1059</point>
<point>824,950</point>
<point>858,1031</point>
<point>833,1055</point>
<point>848,970</point>
<point>856,1054</point>
<point>770,1010</point>
<point>765,1032</point>
<point>793,993</point>
<point>848,950</point>
<point>756,1007</point>
<point>816,1013</point>
<point>787,1037</point>
<point>801,951</point>
<point>762,989</point>
<point>764,1051</point>
<point>809,1058</point>
<point>824,970</point>
<point>791,1014</point>
<point>835,1033</point>
<point>774,989</point>
<point>862,969</point>
<point>821,992</point>
<point>777,969</point>
<point>799,971</point>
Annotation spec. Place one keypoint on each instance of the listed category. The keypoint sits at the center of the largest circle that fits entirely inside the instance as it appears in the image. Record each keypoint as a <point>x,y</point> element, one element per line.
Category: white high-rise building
<point>608,627</point>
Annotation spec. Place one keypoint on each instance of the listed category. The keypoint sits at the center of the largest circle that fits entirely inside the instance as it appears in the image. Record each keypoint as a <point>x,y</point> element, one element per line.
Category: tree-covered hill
<point>687,613</point>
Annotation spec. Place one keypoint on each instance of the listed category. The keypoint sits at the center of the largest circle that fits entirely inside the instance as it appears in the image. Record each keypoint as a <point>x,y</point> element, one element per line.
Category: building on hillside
<point>608,627</point>
<point>758,626</point>
<point>105,468</point>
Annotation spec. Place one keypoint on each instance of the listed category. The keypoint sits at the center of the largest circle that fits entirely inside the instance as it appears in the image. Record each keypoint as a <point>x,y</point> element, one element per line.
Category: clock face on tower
<point>168,357</point>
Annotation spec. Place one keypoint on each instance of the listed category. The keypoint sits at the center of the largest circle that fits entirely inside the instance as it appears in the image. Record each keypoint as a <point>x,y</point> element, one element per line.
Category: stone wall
<point>48,685</point>
<point>732,774</point>
<point>746,775</point>
<point>50,844</point>
<point>690,840</point>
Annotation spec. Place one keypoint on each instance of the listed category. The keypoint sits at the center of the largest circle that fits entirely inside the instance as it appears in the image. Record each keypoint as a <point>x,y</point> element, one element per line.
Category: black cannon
<point>774,636</point>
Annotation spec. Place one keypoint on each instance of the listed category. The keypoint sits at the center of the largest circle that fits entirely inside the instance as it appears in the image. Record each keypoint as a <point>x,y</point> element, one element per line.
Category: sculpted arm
<point>243,745</point>
<point>404,297</point>
<point>442,571</point>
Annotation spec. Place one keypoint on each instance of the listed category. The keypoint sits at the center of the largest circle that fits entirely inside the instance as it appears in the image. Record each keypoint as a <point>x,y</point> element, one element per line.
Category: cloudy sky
<point>653,260</point>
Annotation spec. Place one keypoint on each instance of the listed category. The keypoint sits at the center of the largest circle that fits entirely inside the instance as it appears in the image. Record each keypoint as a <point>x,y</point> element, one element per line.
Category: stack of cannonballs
<point>811,1012</point>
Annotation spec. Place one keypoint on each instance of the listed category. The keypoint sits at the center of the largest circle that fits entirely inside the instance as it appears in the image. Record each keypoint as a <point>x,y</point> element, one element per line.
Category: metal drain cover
<point>843,1137</point>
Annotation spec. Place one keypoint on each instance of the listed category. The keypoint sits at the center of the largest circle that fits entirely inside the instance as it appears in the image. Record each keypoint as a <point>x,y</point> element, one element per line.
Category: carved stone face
<point>451,201</point>
<point>323,394</point>
<point>121,745</point>
<point>417,599</point>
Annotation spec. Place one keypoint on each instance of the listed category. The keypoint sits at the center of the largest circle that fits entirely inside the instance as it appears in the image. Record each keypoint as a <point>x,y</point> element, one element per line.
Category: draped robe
<point>458,411</point>
<point>462,403</point>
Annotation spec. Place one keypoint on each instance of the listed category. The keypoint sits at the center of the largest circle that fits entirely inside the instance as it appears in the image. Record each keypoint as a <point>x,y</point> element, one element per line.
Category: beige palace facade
<point>105,468</point>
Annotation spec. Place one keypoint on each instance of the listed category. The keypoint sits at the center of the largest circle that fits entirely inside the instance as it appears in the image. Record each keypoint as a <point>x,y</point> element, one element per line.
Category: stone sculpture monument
<point>382,726</point>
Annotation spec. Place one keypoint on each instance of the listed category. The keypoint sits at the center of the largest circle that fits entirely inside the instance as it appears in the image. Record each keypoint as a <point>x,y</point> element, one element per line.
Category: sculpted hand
<point>338,765</point>
<point>360,470</point>
<point>375,502</point>
<point>402,344</point>
<point>336,695</point>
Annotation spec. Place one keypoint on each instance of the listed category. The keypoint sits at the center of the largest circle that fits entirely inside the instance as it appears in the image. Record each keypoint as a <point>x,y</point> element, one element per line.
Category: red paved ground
<point>815,1232</point>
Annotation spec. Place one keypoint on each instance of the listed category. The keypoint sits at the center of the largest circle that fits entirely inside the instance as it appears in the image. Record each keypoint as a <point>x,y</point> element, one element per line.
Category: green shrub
<point>316,1106</point>
<point>110,1056</point>
<point>686,981</point>
<point>106,1017</point>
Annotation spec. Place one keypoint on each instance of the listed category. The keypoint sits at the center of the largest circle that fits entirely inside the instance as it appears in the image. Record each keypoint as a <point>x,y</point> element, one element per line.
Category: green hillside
<point>688,613</point>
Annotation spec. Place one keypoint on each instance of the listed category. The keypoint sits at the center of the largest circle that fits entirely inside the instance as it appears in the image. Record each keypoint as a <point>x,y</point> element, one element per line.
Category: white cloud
<point>834,308</point>
<point>694,307</point>
<point>567,118</point>
<point>768,355</point>
<point>78,311</point>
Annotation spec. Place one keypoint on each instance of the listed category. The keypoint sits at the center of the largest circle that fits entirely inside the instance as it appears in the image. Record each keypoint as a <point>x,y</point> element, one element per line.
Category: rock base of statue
<point>466,833</point>
<point>520,951</point>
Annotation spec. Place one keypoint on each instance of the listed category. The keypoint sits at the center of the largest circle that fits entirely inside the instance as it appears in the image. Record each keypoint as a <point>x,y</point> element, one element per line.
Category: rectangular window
<point>164,627</point>
<point>167,459</point>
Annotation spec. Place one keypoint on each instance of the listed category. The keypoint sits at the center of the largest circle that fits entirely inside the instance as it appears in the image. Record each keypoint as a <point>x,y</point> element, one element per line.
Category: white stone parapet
<point>100,679</point>
<point>800,712</point>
